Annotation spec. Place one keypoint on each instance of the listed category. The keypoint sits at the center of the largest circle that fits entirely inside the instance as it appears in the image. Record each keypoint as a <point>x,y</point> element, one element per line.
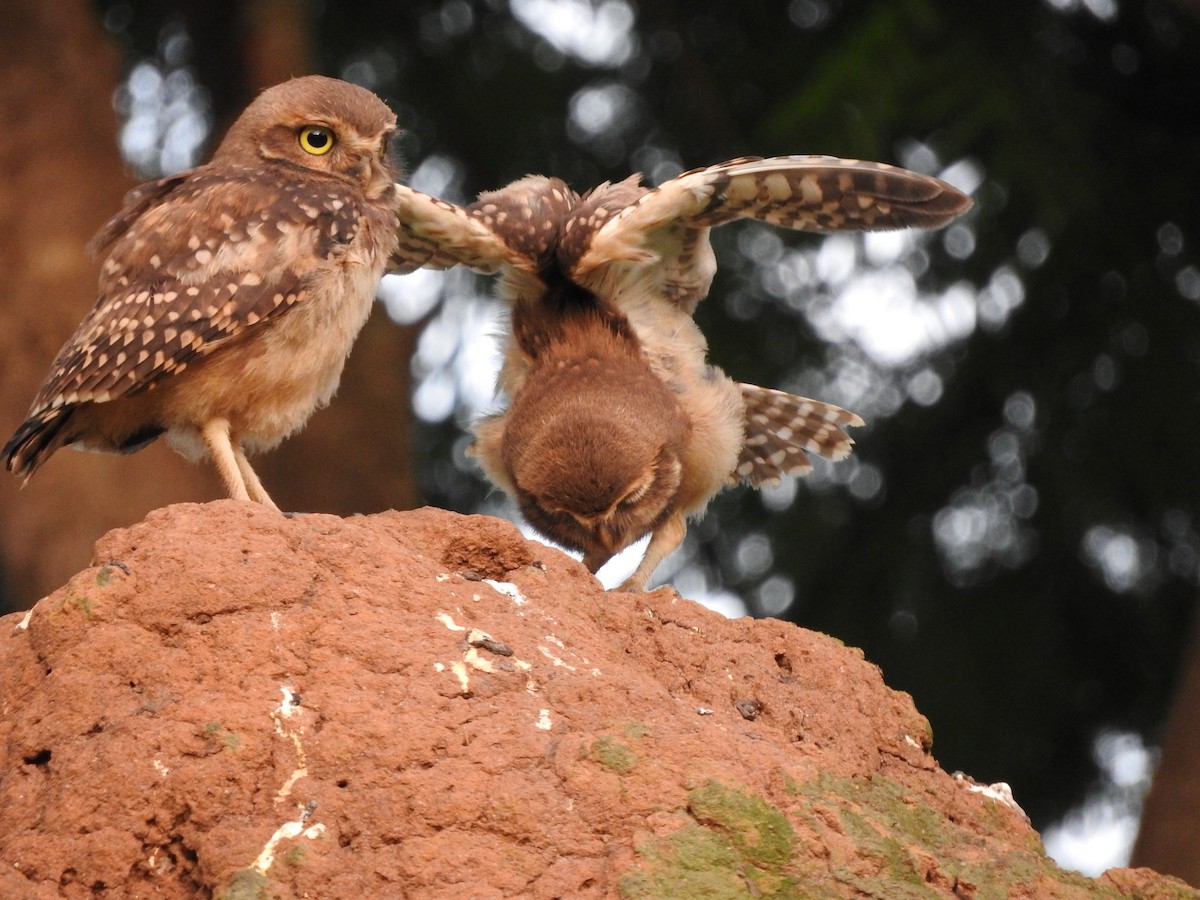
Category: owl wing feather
<point>194,261</point>
<point>782,428</point>
<point>668,226</point>
<point>439,234</point>
<point>136,202</point>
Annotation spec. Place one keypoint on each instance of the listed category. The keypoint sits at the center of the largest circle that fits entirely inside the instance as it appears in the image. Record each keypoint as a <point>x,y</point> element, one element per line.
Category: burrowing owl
<point>617,426</point>
<point>230,294</point>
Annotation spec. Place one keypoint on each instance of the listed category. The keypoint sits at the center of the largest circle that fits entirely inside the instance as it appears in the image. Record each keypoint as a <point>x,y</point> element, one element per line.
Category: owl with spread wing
<point>617,425</point>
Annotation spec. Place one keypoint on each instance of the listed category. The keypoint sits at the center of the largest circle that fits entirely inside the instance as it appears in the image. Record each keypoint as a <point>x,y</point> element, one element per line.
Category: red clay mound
<point>235,704</point>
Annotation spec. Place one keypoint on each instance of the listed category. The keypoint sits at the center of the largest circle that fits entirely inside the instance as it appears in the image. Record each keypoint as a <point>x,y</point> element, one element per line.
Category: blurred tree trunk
<point>61,177</point>
<point>1169,837</point>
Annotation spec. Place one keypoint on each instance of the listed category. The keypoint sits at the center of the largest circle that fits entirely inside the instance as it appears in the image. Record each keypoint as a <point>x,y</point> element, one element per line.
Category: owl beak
<point>605,534</point>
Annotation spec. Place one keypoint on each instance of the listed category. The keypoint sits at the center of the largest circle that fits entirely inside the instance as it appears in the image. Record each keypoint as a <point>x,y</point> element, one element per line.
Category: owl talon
<point>630,586</point>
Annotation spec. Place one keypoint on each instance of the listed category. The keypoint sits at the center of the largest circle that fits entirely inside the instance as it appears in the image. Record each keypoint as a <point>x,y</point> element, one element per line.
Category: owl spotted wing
<point>440,235</point>
<point>782,428</point>
<point>137,201</point>
<point>669,225</point>
<point>193,262</point>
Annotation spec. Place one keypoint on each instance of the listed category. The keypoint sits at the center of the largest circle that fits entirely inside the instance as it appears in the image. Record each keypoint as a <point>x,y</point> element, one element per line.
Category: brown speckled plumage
<point>617,426</point>
<point>229,295</point>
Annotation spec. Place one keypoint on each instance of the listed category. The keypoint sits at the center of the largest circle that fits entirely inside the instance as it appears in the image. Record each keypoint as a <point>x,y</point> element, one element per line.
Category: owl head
<point>595,462</point>
<point>319,124</point>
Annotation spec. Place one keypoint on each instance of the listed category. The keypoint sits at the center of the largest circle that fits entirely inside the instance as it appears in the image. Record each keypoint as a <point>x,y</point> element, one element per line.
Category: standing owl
<point>230,294</point>
<point>617,426</point>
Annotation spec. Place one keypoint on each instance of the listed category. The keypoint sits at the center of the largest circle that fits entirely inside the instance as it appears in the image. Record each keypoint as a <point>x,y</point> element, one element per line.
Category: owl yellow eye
<point>316,140</point>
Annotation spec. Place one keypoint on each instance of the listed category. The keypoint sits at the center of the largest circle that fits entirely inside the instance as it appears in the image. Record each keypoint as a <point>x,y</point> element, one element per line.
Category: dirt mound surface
<point>235,704</point>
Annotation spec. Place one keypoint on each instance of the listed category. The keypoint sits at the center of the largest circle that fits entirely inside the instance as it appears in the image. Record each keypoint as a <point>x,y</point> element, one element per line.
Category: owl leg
<point>663,542</point>
<point>215,434</point>
<point>253,486</point>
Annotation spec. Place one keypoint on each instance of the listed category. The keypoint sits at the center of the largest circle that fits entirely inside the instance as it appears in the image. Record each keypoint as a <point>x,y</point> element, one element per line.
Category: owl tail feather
<point>566,314</point>
<point>46,431</point>
<point>782,428</point>
<point>36,440</point>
